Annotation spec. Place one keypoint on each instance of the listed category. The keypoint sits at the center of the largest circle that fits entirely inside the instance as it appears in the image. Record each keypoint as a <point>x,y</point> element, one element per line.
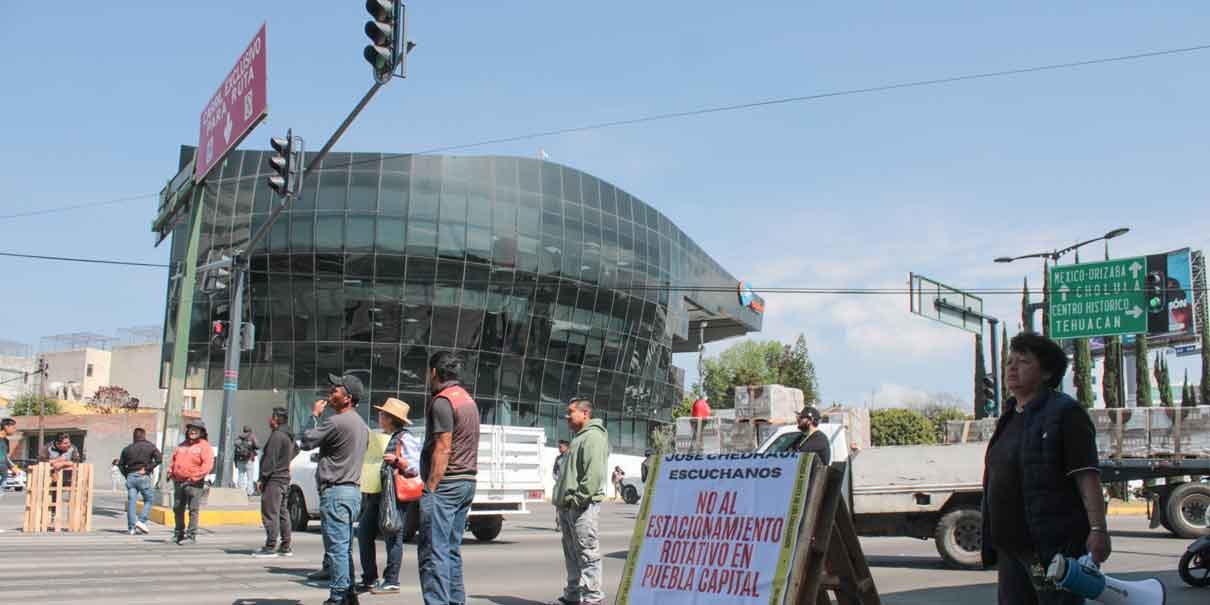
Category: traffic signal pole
<point>289,188</point>
<point>943,305</point>
<point>231,376</point>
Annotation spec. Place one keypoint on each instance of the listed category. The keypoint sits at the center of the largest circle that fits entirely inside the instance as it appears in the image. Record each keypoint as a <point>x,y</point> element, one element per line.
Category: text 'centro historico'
<point>1097,299</point>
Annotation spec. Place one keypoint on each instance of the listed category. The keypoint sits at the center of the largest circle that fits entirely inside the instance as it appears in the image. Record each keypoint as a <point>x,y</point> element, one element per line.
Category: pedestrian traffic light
<point>218,334</point>
<point>385,31</point>
<point>1154,293</point>
<point>285,162</point>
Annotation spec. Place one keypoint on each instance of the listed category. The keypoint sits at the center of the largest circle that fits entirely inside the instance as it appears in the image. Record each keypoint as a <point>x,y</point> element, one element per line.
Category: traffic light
<point>385,31</point>
<point>988,391</point>
<point>1154,293</point>
<point>286,163</point>
<point>218,334</point>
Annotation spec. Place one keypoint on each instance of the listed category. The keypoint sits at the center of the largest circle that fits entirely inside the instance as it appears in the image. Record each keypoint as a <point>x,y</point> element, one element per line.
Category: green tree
<point>1188,397</point>
<point>1046,300</point>
<point>980,373</point>
<point>27,405</point>
<point>748,362</point>
<point>1004,394</point>
<point>900,427</point>
<point>1025,312</point>
<point>796,370</point>
<point>1111,381</point>
<point>1142,374</point>
<point>1205,380</point>
<point>1162,381</point>
<point>1082,374</point>
<point>938,415</point>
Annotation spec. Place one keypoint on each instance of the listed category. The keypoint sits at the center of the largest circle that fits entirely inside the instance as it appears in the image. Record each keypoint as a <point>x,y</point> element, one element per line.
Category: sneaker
<point>189,541</point>
<point>285,551</point>
<point>141,527</point>
<point>132,532</point>
<point>265,552</point>
<point>385,588</point>
<point>363,587</point>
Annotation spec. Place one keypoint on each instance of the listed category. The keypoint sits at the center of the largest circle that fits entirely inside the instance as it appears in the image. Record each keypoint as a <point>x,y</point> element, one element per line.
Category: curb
<point>1127,509</point>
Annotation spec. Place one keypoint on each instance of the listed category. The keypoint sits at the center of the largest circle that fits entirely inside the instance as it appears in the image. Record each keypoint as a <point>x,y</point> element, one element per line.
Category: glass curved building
<point>549,282</point>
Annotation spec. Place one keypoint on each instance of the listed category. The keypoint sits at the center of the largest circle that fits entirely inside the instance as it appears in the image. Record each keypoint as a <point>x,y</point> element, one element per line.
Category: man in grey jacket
<point>274,486</point>
<point>342,439</point>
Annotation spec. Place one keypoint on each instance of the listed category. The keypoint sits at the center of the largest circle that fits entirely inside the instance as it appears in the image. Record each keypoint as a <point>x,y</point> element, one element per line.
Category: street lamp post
<point>1054,256</point>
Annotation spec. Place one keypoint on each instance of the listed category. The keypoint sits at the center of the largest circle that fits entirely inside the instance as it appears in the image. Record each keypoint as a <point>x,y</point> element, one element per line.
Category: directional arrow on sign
<point>1135,312</point>
<point>1135,267</point>
<point>227,129</point>
<point>1063,290</point>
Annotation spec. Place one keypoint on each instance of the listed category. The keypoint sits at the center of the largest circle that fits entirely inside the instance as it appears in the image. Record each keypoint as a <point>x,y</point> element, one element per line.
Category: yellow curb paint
<point>208,518</point>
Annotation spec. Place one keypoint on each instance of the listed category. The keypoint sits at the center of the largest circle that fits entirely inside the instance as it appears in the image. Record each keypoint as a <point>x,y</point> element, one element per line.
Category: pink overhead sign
<point>236,108</point>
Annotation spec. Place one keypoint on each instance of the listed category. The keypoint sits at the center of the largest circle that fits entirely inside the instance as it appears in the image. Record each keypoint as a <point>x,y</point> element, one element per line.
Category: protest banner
<point>717,529</point>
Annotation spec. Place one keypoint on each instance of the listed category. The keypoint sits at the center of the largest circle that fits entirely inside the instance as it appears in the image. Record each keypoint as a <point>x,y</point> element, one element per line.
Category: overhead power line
<point>702,111</point>
<point>56,209</point>
<point>805,98</point>
<point>98,261</point>
<point>660,286</point>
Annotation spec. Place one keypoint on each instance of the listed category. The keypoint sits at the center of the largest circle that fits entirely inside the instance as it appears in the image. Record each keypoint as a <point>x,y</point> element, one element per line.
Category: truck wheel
<point>298,510</point>
<point>411,521</point>
<point>959,538</point>
<point>486,529</point>
<point>630,495</point>
<point>1187,510</point>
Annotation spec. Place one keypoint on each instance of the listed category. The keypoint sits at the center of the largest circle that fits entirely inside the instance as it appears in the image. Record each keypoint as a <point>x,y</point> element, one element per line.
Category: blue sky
<point>852,191</point>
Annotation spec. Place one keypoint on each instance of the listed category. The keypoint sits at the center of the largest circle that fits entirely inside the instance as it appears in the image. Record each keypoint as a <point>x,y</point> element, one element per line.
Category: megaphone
<point>1083,577</point>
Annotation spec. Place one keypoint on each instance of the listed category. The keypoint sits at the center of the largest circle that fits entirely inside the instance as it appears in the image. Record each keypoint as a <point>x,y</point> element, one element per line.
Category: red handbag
<point>407,489</point>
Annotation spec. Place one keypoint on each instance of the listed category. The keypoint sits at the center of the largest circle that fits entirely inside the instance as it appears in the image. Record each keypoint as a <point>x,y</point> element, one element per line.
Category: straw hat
<point>396,408</point>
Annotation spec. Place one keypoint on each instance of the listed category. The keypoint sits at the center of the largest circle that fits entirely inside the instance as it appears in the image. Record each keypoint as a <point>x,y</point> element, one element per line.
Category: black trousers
<point>1021,585</point>
<point>275,512</point>
<point>187,496</point>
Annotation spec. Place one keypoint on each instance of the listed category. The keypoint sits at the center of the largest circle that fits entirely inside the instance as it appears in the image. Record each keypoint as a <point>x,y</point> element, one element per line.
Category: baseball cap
<point>810,412</point>
<point>352,385</point>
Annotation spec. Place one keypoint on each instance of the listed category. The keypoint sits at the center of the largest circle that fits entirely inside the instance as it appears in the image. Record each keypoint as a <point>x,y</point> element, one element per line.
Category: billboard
<point>1170,295</point>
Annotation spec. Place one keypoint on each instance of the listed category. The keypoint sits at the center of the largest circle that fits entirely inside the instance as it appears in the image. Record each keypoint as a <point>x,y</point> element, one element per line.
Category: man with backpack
<point>245,452</point>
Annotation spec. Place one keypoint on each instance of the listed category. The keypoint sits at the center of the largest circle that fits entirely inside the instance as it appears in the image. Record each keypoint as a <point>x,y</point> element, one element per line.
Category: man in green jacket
<point>578,495</point>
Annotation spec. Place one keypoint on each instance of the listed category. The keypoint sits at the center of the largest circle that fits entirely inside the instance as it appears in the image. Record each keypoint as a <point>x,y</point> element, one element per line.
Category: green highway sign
<point>1098,299</point>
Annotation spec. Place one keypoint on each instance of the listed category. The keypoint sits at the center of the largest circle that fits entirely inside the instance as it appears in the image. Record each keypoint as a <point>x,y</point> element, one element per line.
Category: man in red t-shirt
<point>701,409</point>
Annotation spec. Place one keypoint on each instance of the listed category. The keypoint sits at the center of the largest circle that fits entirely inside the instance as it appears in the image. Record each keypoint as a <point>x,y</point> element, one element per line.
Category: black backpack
<point>244,450</point>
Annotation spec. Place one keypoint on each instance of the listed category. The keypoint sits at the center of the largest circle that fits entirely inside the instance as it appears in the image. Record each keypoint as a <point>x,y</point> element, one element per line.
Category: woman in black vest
<point>1041,485</point>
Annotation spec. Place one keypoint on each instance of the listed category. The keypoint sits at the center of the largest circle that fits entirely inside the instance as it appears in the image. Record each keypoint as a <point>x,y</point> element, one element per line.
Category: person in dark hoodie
<point>274,485</point>
<point>192,460</point>
<point>578,496</point>
<point>137,463</point>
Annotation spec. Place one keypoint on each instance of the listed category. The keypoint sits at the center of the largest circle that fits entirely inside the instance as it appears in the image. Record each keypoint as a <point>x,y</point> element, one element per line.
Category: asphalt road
<point>523,567</point>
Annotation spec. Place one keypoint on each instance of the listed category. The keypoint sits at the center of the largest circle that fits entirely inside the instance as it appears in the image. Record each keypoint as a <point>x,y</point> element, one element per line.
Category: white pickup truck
<point>510,476</point>
<point>920,491</point>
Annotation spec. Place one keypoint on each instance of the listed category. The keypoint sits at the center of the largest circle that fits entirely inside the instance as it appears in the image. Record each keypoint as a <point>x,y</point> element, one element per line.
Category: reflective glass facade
<point>549,282</point>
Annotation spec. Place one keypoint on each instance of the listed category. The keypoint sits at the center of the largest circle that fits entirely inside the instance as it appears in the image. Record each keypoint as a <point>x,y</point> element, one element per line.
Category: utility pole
<point>42,370</point>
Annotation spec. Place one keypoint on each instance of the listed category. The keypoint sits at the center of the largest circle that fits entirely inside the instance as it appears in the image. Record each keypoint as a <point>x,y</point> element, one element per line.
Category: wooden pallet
<point>829,557</point>
<point>52,506</point>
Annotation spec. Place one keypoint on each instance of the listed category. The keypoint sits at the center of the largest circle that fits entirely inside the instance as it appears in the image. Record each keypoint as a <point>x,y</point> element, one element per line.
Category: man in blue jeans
<point>448,464</point>
<point>342,439</point>
<point>137,463</point>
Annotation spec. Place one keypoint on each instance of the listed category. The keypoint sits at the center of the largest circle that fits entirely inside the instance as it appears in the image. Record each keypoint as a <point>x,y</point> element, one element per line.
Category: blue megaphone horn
<point>1083,577</point>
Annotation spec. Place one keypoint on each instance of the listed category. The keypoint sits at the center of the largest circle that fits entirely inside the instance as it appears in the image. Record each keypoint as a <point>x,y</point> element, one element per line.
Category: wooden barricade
<point>829,556</point>
<point>52,506</point>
